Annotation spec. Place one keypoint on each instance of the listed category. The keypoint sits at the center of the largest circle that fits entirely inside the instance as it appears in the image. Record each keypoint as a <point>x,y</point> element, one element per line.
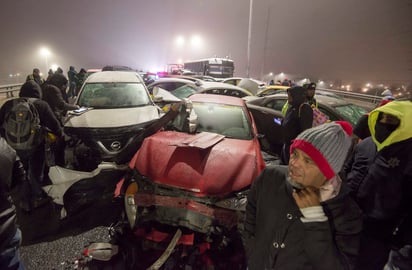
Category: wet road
<point>61,253</point>
<point>50,243</point>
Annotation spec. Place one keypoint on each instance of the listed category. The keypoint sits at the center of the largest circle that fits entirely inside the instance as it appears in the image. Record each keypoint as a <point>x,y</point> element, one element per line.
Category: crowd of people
<point>329,205</point>
<point>46,101</point>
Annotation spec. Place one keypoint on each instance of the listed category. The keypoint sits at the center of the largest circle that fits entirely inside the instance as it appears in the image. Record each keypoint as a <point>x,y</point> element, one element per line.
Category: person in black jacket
<point>357,166</point>
<point>71,74</point>
<point>35,76</point>
<point>54,93</point>
<point>384,194</point>
<point>34,159</point>
<point>299,116</point>
<point>11,174</point>
<point>301,216</point>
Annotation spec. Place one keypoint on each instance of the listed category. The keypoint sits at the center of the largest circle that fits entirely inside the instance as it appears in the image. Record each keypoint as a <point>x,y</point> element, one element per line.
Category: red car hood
<point>207,164</point>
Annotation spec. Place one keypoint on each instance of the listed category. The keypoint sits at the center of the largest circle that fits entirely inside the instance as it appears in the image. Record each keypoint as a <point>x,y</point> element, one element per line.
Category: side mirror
<point>157,99</point>
<point>155,91</point>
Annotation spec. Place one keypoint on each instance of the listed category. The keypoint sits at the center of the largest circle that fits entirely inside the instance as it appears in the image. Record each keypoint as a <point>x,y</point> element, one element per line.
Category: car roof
<point>275,87</point>
<point>114,76</point>
<point>232,78</point>
<point>171,79</point>
<point>221,99</point>
<point>220,85</point>
<point>190,78</point>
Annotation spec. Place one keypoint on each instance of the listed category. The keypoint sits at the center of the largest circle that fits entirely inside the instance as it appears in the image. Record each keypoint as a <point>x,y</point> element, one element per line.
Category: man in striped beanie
<point>299,216</point>
<point>327,146</point>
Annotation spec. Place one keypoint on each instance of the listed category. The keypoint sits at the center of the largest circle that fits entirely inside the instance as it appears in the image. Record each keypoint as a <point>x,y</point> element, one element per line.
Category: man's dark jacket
<point>356,168</point>
<point>56,97</point>
<point>298,117</point>
<point>276,238</point>
<point>11,173</point>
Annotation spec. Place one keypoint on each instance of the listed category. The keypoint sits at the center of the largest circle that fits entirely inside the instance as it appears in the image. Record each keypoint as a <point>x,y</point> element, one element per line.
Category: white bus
<point>215,67</point>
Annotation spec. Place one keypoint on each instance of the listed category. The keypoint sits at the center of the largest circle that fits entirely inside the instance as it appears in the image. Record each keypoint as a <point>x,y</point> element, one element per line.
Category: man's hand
<point>307,197</point>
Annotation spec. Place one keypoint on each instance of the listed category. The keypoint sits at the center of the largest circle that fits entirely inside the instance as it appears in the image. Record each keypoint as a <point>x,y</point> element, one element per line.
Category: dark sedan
<point>268,117</point>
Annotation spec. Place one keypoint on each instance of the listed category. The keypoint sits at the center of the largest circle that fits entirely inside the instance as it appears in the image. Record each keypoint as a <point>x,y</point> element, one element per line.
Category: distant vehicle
<point>214,67</point>
<point>268,117</point>
<point>174,68</point>
<point>186,77</point>
<point>252,85</point>
<point>232,80</point>
<point>272,89</point>
<point>115,105</point>
<point>205,78</point>
<point>117,68</point>
<point>219,88</point>
<point>180,88</point>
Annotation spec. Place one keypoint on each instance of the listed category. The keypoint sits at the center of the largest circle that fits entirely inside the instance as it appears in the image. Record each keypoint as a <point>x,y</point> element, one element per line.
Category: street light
<point>180,41</point>
<point>45,52</point>
<point>249,38</point>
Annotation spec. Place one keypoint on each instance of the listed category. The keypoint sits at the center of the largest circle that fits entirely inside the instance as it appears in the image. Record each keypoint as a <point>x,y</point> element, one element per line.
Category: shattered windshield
<point>113,95</point>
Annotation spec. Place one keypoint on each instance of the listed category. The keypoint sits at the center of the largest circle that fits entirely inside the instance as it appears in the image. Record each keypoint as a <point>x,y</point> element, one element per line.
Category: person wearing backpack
<point>299,116</point>
<point>26,135</point>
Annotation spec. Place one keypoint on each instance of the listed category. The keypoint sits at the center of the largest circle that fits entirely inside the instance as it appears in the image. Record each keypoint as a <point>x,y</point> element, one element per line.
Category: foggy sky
<point>364,40</point>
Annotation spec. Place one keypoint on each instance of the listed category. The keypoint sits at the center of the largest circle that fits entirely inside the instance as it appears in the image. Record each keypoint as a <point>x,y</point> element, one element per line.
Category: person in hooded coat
<point>384,194</point>
<point>71,74</point>
<point>54,93</point>
<point>299,116</point>
<point>34,159</point>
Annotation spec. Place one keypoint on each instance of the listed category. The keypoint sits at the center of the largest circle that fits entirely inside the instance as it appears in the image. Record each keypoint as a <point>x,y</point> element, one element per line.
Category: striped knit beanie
<point>327,145</point>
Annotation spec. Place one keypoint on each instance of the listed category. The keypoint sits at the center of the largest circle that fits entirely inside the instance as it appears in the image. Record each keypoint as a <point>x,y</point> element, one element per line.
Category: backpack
<point>22,125</point>
<point>319,117</point>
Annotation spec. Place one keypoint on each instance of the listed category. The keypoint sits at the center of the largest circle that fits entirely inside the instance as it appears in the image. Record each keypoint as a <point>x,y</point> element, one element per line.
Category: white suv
<point>116,106</point>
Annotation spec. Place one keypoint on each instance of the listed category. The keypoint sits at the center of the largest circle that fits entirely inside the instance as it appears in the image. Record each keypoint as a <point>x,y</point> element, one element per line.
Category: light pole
<point>249,39</point>
<point>45,52</point>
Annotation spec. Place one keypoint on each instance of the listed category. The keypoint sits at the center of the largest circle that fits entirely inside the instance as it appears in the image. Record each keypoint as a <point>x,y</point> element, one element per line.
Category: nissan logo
<point>116,145</point>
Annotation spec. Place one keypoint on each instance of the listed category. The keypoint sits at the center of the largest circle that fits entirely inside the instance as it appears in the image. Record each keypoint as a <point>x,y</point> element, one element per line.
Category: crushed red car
<point>187,188</point>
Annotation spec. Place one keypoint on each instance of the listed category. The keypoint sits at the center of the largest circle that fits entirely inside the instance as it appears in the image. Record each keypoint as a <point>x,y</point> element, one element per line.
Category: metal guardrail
<point>351,95</point>
<point>8,89</point>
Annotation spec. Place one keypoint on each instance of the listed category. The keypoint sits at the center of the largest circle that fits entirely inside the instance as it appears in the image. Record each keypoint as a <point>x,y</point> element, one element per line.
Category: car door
<point>268,118</point>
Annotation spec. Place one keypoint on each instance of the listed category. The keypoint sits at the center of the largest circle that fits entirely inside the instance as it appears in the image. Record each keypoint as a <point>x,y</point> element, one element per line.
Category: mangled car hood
<point>206,163</point>
<point>110,118</point>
